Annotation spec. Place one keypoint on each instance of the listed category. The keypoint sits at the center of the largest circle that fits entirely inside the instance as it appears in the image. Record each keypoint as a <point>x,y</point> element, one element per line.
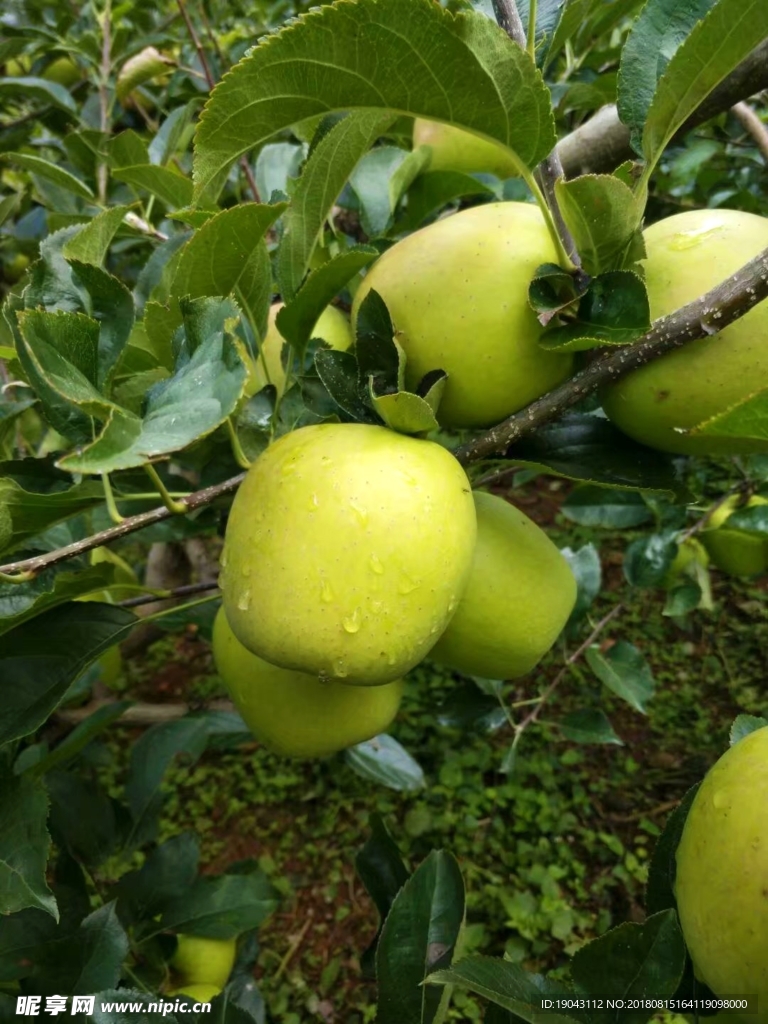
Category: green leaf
<point>340,376</point>
<point>9,205</point>
<point>91,243</point>
<point>419,936</point>
<point>432,191</point>
<point>603,215</point>
<point>648,559</point>
<point>297,319</point>
<point>717,45</point>
<point>379,181</point>
<point>463,69</point>
<point>583,447</point>
<point>554,292</point>
<point>228,255</point>
<point>383,873</point>
<point>205,389</point>
<point>51,172</point>
<point>140,68</point>
<point>633,961</point>
<point>151,757</point>
<point>682,599</point>
<point>405,412</point>
<point>660,29</point>
<point>24,847</point>
<point>743,725</point>
<point>614,310</point>
<point>82,818</point>
<point>747,421</point>
<point>624,670</point>
<point>507,985</point>
<point>380,359</point>
<point>103,948</point>
<point>36,677</point>
<point>127,149</point>
<point>170,187</point>
<point>24,513</point>
<point>609,508</point>
<point>48,590</point>
<point>326,171</point>
<point>167,873</point>
<point>752,520</point>
<point>26,88</point>
<point>660,888</point>
<point>221,908</point>
<point>590,725</point>
<point>276,165</point>
<point>467,707</point>
<point>585,566</point>
<point>80,737</point>
<point>385,761</point>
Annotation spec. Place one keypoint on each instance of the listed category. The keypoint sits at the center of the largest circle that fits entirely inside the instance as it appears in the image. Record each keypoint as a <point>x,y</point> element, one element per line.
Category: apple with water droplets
<point>347,550</point>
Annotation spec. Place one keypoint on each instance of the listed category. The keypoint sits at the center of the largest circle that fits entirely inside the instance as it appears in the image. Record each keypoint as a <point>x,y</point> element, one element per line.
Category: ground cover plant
<point>384,427</point>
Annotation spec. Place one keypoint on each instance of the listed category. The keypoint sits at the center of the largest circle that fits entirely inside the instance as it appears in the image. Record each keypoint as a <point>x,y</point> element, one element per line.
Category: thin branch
<point>749,120</point>
<point>531,717</point>
<point>551,168</point>
<point>104,73</point>
<point>194,501</point>
<point>192,31</point>
<point>140,713</point>
<point>602,142</point>
<point>165,595</point>
<point>706,316</point>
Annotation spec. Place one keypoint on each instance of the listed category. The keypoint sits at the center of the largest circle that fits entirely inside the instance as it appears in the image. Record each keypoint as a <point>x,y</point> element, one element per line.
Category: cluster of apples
<point>201,967</point>
<point>353,552</point>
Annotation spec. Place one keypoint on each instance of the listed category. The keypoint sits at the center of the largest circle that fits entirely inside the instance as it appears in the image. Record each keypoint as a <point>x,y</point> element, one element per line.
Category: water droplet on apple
<point>407,585</point>
<point>244,601</point>
<point>360,512</point>
<point>313,503</point>
<point>376,565</point>
<point>340,669</point>
<point>720,799</point>
<point>351,623</point>
<point>391,659</point>
<point>224,559</point>
<point>325,591</point>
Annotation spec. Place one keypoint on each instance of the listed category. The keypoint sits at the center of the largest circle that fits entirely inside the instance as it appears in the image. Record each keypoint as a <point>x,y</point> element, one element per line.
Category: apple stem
<point>173,506</point>
<point>237,449</point>
<point>532,30</point>
<point>567,260</point>
<point>109,497</point>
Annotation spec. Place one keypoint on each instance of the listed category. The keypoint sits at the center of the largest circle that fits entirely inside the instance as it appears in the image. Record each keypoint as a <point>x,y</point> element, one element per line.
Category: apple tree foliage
<point>149,216</point>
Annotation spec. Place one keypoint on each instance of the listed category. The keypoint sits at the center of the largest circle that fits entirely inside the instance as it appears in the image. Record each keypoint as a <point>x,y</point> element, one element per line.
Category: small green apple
<point>64,71</point>
<point>454,149</point>
<point>519,596</point>
<point>201,961</point>
<point>332,327</point>
<point>687,255</point>
<point>294,714</point>
<point>722,875</point>
<point>689,553</point>
<point>457,292</point>
<point>735,552</point>
<point>347,550</point>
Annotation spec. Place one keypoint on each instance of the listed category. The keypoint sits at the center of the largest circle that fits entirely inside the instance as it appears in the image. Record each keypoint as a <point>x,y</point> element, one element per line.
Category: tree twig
<point>196,500</point>
<point>192,31</point>
<point>705,316</point>
<point>531,717</point>
<point>166,595</point>
<point>749,120</point>
<point>548,172</point>
<point>140,713</point>
<point>602,142</point>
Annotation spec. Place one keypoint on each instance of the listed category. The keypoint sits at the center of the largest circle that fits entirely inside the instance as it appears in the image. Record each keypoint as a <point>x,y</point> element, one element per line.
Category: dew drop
<point>244,601</point>
<point>452,602</point>
<point>391,659</point>
<point>224,559</point>
<point>340,669</point>
<point>352,622</point>
<point>720,799</point>
<point>360,512</point>
<point>376,565</point>
<point>325,591</point>
<point>407,585</point>
<point>313,503</point>
<point>247,570</point>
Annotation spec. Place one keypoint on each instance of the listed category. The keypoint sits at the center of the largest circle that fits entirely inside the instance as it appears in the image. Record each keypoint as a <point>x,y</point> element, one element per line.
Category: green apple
<point>201,961</point>
<point>347,550</point>
<point>64,71</point>
<point>457,292</point>
<point>735,551</point>
<point>294,714</point>
<point>689,553</point>
<point>200,993</point>
<point>519,596</point>
<point>722,874</point>
<point>454,149</point>
<point>332,327</point>
<point>687,255</point>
